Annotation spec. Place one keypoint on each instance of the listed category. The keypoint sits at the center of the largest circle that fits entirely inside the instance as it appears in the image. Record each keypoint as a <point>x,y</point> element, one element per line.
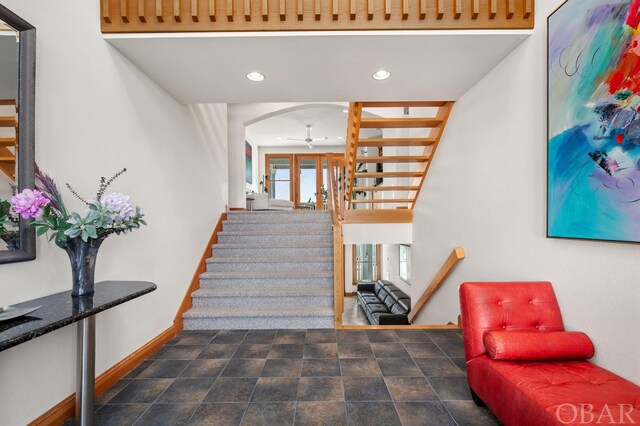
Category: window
<point>405,263</point>
<point>366,262</point>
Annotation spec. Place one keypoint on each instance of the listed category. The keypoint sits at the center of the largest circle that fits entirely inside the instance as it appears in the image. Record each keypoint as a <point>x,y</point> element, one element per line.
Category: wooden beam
<point>176,11</point>
<point>212,10</point>
<point>230,10</point>
<point>283,10</point>
<point>373,142</point>
<point>378,216</point>
<point>423,9</point>
<point>317,9</point>
<point>335,9</point>
<point>475,9</point>
<point>159,11</point>
<point>300,9</point>
<point>370,9</point>
<point>511,8</point>
<point>124,10</point>
<point>247,10</point>
<point>194,10</point>
<point>393,159</point>
<point>142,16</point>
<point>352,9</point>
<point>387,9</point>
<point>528,8</point>
<point>405,9</point>
<point>105,11</point>
<point>384,201</point>
<point>456,256</point>
<point>384,188</point>
<point>440,9</point>
<point>457,9</point>
<point>493,8</point>
<point>399,123</point>
<point>385,175</point>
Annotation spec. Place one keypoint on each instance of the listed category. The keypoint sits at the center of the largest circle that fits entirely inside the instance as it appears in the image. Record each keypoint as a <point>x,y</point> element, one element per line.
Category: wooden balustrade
<point>139,16</point>
<point>456,256</point>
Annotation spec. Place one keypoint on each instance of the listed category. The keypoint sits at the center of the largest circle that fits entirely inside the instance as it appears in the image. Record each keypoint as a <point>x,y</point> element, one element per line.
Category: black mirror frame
<point>26,129</point>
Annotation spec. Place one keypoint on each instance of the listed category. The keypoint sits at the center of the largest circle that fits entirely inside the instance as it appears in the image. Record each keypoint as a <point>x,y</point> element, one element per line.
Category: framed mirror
<point>17,155</point>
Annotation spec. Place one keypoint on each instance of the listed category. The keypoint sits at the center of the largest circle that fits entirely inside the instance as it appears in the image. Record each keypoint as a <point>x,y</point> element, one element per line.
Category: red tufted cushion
<point>538,346</point>
<point>512,306</point>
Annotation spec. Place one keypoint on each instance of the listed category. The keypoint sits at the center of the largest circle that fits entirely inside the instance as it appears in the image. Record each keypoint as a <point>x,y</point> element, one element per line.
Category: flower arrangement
<point>80,235</point>
<point>106,214</point>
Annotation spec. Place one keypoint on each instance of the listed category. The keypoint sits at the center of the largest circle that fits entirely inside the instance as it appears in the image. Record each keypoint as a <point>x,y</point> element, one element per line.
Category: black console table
<point>59,310</point>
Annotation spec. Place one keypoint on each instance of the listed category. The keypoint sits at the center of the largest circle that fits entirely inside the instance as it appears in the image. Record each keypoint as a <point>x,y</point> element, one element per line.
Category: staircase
<point>387,172</point>
<point>8,137</point>
<point>269,270</point>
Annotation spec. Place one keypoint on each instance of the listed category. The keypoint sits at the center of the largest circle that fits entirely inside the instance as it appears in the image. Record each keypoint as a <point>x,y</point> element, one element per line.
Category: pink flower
<point>120,204</point>
<point>29,203</point>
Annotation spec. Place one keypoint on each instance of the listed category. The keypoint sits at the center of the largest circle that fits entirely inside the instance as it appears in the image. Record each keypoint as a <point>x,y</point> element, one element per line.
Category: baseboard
<point>401,327</point>
<point>195,279</point>
<point>66,408</point>
<point>237,209</point>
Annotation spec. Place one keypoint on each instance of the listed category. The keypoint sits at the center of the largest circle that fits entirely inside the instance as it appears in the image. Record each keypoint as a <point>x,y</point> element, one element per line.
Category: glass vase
<point>82,255</point>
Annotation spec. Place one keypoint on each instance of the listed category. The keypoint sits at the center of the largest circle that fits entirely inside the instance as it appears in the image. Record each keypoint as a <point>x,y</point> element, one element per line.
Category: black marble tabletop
<point>60,309</point>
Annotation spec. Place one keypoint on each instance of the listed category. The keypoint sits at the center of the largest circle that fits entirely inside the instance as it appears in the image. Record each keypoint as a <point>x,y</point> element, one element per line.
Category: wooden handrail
<point>338,275</point>
<point>456,256</point>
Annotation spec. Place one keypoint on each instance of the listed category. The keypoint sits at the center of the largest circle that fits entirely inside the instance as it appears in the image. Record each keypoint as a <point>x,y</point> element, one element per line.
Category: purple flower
<point>29,203</point>
<point>120,203</point>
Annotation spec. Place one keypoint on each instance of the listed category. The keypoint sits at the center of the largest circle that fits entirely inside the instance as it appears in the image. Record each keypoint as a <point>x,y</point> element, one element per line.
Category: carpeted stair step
<point>276,226</point>
<point>261,298</point>
<point>269,264</point>
<point>262,237</point>
<point>273,250</point>
<point>266,280</point>
<point>278,216</point>
<point>258,318</point>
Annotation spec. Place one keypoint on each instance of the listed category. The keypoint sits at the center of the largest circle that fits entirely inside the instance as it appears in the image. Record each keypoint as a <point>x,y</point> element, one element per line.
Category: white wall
<point>95,113</point>
<point>486,192</point>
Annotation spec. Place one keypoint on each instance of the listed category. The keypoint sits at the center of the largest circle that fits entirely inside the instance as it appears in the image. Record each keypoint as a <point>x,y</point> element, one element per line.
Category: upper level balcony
<point>148,16</point>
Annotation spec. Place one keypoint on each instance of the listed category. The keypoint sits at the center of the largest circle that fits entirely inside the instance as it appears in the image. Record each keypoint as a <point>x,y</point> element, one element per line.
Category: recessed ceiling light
<point>381,75</point>
<point>345,111</point>
<point>339,137</point>
<point>255,76</point>
<point>279,138</point>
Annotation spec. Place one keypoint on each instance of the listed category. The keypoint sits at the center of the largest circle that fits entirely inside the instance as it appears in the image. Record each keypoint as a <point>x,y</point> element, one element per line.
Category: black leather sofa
<point>384,303</point>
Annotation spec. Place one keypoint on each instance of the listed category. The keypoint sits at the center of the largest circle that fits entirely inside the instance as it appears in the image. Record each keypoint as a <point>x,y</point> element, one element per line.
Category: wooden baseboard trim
<point>351,294</point>
<point>400,327</point>
<point>237,209</point>
<point>178,323</point>
<point>66,408</point>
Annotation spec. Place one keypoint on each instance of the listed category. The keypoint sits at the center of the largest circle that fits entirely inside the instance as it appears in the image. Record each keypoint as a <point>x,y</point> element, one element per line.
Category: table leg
<point>86,371</point>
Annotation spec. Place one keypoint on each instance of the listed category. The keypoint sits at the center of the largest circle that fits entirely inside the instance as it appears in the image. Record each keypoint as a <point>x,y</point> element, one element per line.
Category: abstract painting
<point>248,162</point>
<point>594,121</point>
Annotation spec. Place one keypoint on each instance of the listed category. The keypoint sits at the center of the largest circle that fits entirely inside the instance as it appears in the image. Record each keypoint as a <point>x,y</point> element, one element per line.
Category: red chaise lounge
<point>528,370</point>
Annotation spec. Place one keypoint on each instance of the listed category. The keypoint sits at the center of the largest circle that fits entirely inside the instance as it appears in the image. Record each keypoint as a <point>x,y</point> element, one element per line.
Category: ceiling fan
<point>309,140</point>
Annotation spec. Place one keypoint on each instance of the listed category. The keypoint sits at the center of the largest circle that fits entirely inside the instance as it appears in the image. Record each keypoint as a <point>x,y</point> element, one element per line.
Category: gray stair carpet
<point>268,270</point>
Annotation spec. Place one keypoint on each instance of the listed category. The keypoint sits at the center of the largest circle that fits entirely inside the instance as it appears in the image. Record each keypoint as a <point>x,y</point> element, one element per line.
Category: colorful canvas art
<point>248,162</point>
<point>594,120</point>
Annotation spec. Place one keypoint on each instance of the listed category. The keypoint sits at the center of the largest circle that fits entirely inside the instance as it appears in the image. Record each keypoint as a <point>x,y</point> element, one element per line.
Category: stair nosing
<point>250,312</point>
<point>267,274</point>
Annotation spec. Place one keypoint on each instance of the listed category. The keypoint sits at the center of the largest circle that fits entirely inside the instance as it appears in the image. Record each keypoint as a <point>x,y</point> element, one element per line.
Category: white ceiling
<point>317,67</point>
<point>326,120</point>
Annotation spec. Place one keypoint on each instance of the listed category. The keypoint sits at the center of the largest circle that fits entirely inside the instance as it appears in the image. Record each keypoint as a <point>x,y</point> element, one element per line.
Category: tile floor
<point>301,377</point>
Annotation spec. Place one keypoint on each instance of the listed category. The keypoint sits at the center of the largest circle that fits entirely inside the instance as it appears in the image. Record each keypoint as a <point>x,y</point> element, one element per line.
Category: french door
<point>301,178</point>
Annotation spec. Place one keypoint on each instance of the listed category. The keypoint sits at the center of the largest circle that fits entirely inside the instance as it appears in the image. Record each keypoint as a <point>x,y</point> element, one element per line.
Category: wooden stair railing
<point>335,195</point>
<point>411,163</point>
<point>9,145</point>
<point>454,258</point>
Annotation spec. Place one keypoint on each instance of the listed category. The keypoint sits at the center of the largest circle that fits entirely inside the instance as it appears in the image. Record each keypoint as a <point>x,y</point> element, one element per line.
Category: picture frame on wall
<point>248,164</point>
<point>593,122</point>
